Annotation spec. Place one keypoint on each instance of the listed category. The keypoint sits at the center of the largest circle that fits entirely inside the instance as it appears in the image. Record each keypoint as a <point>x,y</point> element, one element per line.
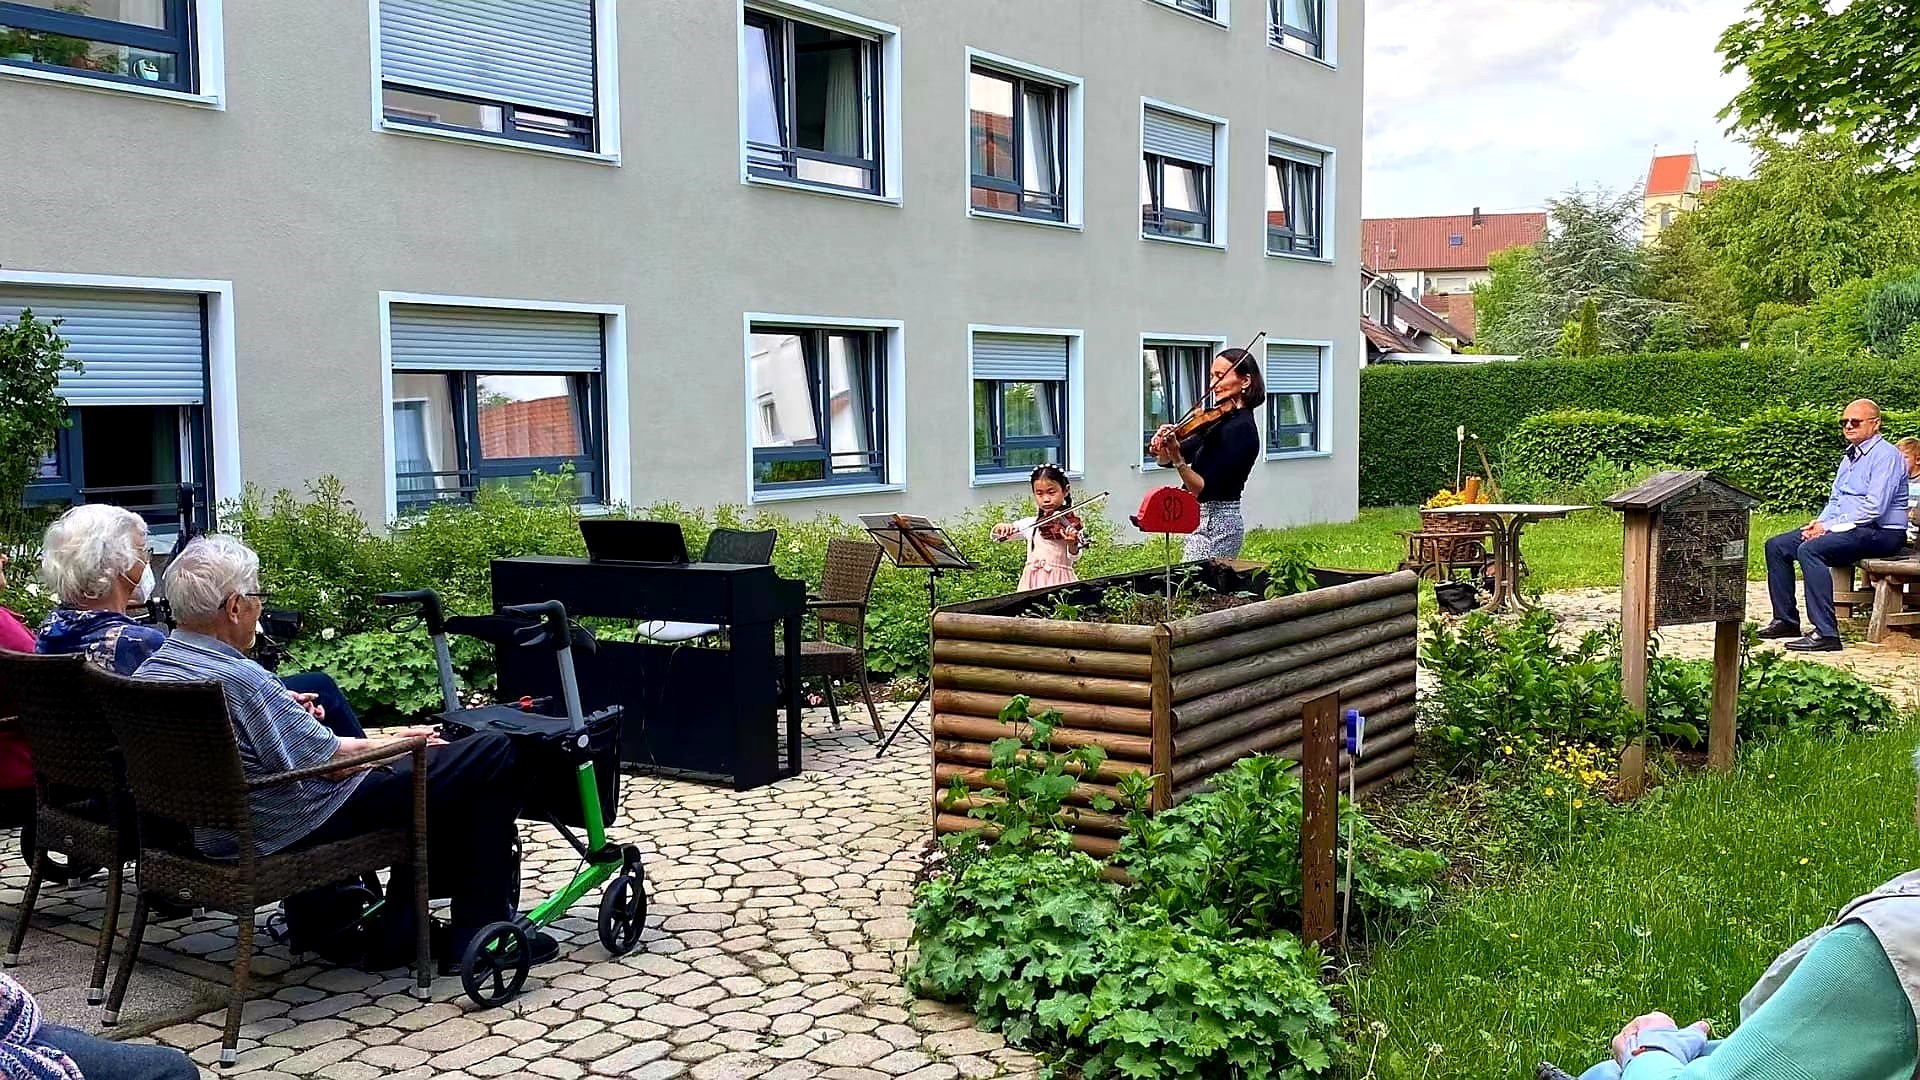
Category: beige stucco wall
<point>289,194</point>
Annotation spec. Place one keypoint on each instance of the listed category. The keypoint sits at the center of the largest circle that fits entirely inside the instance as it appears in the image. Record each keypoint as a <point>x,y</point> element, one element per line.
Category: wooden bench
<point>1895,586</point>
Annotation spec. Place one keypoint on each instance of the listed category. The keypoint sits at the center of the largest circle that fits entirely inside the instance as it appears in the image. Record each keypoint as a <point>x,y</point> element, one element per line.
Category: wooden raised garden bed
<point>1180,700</point>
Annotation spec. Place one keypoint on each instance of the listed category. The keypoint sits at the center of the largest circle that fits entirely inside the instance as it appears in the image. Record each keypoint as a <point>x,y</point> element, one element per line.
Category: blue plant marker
<point>1356,732</point>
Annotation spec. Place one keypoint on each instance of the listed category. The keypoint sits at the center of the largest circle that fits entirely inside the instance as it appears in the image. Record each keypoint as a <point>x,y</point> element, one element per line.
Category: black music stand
<point>915,543</point>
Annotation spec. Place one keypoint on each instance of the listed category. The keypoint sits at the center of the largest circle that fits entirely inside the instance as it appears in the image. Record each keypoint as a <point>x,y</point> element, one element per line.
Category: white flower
<point>33,588</point>
<point>327,634</point>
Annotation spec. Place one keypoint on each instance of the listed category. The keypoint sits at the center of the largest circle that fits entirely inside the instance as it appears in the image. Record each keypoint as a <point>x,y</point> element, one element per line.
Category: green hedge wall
<point>1785,456</point>
<point>1408,412</point>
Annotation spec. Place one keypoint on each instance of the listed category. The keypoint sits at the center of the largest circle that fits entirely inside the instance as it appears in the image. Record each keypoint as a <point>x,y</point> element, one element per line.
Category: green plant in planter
<point>1290,572</point>
<point>1028,781</point>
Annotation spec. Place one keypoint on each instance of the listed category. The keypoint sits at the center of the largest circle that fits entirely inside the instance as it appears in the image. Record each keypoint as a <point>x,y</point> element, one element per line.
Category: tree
<point>1587,341</point>
<point>1670,332</point>
<point>1683,271</point>
<point>1817,213</point>
<point>1891,309</point>
<point>1591,253</point>
<point>1813,67</point>
<point>32,356</point>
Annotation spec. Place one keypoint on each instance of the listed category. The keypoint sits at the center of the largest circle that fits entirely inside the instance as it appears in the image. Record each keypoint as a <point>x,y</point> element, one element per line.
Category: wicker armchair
<point>80,804</point>
<point>172,731</point>
<point>738,546</point>
<point>845,590</point>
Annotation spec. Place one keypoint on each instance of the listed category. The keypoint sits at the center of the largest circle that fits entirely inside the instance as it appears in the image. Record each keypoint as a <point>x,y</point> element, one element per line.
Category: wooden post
<point>1162,712</point>
<point>1726,694</point>
<point>1636,624</point>
<point>1320,813</point>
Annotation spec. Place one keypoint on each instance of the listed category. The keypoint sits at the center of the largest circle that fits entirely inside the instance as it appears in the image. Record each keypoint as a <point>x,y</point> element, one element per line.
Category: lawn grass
<point>1580,551</point>
<point>1679,905</point>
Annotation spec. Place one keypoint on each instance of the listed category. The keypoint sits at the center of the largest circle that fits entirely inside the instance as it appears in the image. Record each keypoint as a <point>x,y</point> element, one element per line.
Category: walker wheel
<point>623,912</point>
<point>495,967</point>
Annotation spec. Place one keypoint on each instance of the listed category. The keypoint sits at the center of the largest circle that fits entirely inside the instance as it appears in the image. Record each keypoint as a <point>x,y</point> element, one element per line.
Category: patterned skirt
<point>1220,534</point>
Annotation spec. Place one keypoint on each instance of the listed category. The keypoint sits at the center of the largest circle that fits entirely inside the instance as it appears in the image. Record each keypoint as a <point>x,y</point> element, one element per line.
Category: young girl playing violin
<point>1054,546</point>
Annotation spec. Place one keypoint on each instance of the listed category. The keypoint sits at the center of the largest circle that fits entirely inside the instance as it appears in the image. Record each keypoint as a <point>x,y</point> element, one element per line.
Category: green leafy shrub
<point>1893,306</point>
<point>1778,696</point>
<point>388,676</point>
<point>1408,412</point>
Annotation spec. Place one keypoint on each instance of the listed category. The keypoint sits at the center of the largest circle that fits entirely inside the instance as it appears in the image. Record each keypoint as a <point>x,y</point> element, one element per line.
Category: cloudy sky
<point>1503,103</point>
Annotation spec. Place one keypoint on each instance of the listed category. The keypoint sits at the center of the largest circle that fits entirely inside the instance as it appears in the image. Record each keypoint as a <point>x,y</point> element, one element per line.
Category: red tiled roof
<point>1384,339</point>
<point>1427,243</point>
<point>1708,187</point>
<point>1668,175</point>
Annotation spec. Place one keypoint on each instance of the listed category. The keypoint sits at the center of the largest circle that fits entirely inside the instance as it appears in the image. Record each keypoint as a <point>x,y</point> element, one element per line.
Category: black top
<point>1223,455</point>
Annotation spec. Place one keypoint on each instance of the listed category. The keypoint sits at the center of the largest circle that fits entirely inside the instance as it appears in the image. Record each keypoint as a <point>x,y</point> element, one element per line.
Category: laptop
<point>618,540</point>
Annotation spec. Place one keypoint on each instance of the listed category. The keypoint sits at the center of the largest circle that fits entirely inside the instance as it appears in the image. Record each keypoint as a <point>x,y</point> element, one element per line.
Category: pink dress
<point>1049,562</point>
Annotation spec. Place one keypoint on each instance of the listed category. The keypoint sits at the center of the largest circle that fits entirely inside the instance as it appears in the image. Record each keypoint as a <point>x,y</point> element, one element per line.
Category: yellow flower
<point>1578,803</point>
<point>1804,862</point>
<point>1549,793</point>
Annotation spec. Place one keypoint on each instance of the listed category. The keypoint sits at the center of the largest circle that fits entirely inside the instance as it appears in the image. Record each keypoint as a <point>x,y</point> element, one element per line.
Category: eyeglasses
<point>1849,421</point>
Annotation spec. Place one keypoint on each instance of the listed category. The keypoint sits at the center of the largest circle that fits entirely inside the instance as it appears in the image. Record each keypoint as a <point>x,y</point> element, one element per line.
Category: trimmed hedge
<point>1785,456</point>
<point>1408,412</point>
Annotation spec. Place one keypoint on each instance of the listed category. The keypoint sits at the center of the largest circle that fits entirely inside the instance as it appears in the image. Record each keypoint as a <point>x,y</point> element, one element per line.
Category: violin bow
<point>1057,514</point>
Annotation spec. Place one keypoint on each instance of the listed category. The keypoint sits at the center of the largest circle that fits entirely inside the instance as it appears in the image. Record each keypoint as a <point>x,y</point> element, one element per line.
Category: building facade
<point>1435,259</point>
<point>877,254</point>
<point>1674,186</point>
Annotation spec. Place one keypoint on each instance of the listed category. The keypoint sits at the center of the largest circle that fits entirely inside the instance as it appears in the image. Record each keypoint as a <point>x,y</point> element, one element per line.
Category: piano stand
<point>933,602</point>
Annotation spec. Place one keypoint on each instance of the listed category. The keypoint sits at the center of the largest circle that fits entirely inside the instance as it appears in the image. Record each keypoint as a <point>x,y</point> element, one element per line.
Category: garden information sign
<point>1685,562</point>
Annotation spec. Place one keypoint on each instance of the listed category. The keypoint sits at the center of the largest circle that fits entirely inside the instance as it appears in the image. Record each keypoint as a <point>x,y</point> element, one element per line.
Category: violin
<point>1056,527</point>
<point>1202,417</point>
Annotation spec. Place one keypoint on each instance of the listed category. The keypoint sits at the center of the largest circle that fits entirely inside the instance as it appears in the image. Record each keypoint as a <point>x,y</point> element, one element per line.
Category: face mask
<point>143,589</point>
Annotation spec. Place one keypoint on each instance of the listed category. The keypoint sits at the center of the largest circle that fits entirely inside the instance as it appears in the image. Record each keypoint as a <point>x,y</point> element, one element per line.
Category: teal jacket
<point>1842,1015</point>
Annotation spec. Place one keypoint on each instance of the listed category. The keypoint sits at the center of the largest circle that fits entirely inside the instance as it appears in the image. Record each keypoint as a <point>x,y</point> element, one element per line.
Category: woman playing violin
<point>1215,460</point>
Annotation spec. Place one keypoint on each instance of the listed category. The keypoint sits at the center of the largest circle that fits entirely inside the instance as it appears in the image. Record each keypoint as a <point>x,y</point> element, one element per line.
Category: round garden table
<point>1505,521</point>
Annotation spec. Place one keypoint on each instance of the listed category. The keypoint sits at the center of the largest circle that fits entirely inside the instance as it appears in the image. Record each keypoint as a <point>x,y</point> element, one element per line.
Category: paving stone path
<point>775,937</point>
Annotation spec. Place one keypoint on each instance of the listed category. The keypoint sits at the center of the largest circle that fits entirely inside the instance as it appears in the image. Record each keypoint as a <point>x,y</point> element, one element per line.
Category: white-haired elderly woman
<point>96,562</point>
<point>473,790</point>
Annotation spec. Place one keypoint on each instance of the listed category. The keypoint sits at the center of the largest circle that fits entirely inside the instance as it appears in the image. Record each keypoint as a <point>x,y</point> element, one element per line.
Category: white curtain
<point>1043,168</point>
<point>844,127</point>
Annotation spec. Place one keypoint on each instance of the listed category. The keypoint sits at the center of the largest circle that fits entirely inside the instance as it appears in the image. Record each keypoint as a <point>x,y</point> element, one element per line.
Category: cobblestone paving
<point>775,936</point>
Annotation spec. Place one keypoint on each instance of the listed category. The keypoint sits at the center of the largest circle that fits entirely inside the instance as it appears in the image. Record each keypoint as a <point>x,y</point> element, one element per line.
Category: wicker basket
<point>1454,550</point>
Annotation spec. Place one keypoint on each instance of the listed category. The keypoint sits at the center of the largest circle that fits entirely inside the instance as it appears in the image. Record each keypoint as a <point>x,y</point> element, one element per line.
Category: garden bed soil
<point>1177,701</point>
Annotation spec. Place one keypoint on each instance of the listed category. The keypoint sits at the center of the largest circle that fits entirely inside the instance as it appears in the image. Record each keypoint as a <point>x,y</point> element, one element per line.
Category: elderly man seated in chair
<point>1865,518</point>
<point>473,788</point>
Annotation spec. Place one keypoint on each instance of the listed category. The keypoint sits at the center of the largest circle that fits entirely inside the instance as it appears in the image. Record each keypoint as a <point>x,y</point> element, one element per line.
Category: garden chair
<point>80,806</point>
<point>1849,596</point>
<point>723,546</point>
<point>846,589</point>
<point>176,732</point>
<point>1444,556</point>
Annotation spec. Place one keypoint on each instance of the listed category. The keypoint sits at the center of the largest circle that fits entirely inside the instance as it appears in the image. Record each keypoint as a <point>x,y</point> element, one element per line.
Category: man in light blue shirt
<point>1865,518</point>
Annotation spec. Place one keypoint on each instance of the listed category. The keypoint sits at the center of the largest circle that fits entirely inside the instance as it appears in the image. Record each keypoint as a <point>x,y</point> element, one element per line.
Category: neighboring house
<point>1674,187</point>
<point>1445,255</point>
<point>436,266</point>
<point>1400,329</point>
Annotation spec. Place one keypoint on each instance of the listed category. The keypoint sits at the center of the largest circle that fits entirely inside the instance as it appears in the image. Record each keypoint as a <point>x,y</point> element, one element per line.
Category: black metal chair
<point>81,808</point>
<point>740,546</point>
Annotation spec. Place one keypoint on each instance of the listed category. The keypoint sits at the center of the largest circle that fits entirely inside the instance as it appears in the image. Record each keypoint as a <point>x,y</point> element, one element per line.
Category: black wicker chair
<point>80,808</point>
<point>183,765</point>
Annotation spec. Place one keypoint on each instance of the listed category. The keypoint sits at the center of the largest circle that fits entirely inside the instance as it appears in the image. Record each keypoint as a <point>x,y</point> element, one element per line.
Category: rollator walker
<point>572,766</point>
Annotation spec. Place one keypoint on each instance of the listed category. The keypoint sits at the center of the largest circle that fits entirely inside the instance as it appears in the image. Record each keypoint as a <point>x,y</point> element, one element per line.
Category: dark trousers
<point>1817,558</point>
<point>104,1059</point>
<point>340,718</point>
<point>473,799</point>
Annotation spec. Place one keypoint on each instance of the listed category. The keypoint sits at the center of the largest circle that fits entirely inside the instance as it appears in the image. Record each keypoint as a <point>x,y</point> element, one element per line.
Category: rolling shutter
<point>432,338</point>
<point>1301,154</point>
<point>1293,369</point>
<point>138,348</point>
<point>1020,357</point>
<point>1175,136</point>
<point>537,53</point>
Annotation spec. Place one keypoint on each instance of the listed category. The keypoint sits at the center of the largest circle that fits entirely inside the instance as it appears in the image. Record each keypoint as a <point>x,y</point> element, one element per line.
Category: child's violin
<point>1054,526</point>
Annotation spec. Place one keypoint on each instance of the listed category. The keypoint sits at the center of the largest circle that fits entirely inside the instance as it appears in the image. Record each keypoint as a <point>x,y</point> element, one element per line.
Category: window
<point>491,398</point>
<point>1293,398</point>
<point>1176,176</point>
<point>1295,196</point>
<point>1173,377</point>
<point>1018,136</point>
<point>1019,402</point>
<point>1206,9</point>
<point>820,395</point>
<point>523,70</point>
<point>813,103</point>
<point>1298,26</point>
<point>137,412</point>
<point>137,42</point>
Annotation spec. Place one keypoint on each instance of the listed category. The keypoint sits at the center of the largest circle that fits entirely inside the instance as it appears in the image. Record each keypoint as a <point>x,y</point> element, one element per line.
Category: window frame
<point>1072,90</point>
<point>194,466</point>
<point>1072,413</point>
<point>1322,400</point>
<point>1221,14</point>
<point>219,478</point>
<point>1278,32</point>
<point>1210,344</point>
<point>890,400</point>
<point>472,468</point>
<point>815,353</point>
<point>1216,179</point>
<point>883,109</point>
<point>199,43</point>
<point>1328,178</point>
<point>602,146</point>
<point>615,445</point>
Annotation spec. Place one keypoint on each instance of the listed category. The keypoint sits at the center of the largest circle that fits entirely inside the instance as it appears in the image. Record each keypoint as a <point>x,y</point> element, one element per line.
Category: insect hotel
<point>1685,562</point>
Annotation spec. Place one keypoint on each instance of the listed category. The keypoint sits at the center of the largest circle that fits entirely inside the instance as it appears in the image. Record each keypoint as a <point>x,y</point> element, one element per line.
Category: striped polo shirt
<point>275,735</point>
